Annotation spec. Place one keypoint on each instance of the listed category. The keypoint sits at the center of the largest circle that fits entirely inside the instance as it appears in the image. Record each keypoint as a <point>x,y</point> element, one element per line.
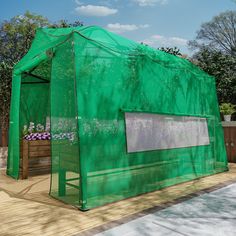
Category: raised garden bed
<point>35,158</point>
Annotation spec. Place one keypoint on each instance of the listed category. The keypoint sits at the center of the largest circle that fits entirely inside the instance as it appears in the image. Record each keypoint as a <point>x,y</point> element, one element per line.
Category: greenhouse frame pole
<point>82,164</point>
<point>13,161</point>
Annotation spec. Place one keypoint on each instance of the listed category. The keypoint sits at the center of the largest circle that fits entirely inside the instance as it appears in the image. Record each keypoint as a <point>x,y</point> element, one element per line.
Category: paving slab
<point>211,214</point>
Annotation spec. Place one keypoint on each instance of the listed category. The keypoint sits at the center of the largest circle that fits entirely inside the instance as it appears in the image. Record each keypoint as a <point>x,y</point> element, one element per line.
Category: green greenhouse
<point>125,119</point>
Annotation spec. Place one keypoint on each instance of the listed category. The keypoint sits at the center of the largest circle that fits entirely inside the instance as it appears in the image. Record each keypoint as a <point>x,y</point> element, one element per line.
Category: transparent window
<point>145,132</point>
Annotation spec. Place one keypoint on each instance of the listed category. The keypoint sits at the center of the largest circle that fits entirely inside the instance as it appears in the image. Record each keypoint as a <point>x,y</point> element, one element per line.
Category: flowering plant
<point>38,136</point>
<point>38,132</point>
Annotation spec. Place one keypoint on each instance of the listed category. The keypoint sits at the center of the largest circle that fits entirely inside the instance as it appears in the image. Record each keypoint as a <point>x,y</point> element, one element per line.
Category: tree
<point>5,96</point>
<point>65,24</point>
<point>222,67</point>
<point>174,51</point>
<point>16,36</point>
<point>218,34</point>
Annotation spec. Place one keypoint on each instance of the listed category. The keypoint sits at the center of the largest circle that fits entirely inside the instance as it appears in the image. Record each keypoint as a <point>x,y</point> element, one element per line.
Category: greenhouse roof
<point>49,38</point>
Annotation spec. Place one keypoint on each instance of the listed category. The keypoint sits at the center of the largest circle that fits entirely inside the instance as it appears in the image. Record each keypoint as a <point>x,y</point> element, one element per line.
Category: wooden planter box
<point>35,158</point>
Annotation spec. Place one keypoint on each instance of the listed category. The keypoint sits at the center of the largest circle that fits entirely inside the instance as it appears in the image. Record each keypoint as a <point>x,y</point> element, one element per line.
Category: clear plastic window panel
<point>145,132</point>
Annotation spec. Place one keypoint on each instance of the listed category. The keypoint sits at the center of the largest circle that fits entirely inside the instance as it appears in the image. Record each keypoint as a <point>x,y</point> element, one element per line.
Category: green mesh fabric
<point>65,151</point>
<point>37,108</point>
<point>94,77</point>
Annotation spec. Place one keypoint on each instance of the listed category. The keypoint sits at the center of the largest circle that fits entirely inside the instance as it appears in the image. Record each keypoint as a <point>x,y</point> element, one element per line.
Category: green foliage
<point>227,108</point>
<point>174,51</point>
<point>65,24</point>
<point>218,34</point>
<point>223,68</point>
<point>16,36</point>
<point>5,93</point>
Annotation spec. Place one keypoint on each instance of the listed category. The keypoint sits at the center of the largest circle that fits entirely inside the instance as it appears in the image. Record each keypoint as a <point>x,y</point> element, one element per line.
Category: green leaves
<point>174,51</point>
<point>223,67</point>
<point>17,34</point>
<point>5,93</point>
<point>227,108</point>
<point>216,44</point>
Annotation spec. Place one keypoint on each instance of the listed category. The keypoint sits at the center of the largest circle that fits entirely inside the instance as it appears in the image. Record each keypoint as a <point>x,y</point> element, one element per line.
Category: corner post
<point>13,161</point>
<point>82,160</point>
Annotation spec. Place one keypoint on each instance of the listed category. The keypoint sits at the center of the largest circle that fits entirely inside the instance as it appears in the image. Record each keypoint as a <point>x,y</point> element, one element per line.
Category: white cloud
<point>144,3</point>
<point>119,28</point>
<point>144,26</point>
<point>92,10</point>
<point>162,41</point>
<point>79,2</point>
<point>178,41</point>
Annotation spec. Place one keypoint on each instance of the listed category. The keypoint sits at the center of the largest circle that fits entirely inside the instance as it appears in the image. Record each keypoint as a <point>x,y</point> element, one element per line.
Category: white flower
<point>32,124</point>
<point>31,127</point>
<point>47,129</point>
<point>39,128</point>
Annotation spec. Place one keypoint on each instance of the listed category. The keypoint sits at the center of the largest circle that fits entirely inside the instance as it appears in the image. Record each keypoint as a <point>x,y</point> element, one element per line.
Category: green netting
<point>65,150</point>
<point>34,103</point>
<point>93,78</point>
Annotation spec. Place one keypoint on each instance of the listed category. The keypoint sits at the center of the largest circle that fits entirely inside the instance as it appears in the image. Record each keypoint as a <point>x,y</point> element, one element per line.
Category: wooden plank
<point>25,157</point>
<point>40,153</point>
<point>39,165</point>
<point>227,142</point>
<point>44,171</point>
<point>33,163</point>
<point>40,168</point>
<point>39,143</point>
<point>39,148</point>
<point>39,160</point>
<point>41,172</point>
<point>35,157</point>
<point>233,144</point>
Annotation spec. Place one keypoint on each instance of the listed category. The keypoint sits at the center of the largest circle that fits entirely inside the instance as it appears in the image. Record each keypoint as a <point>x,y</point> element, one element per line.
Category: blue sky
<point>155,22</point>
